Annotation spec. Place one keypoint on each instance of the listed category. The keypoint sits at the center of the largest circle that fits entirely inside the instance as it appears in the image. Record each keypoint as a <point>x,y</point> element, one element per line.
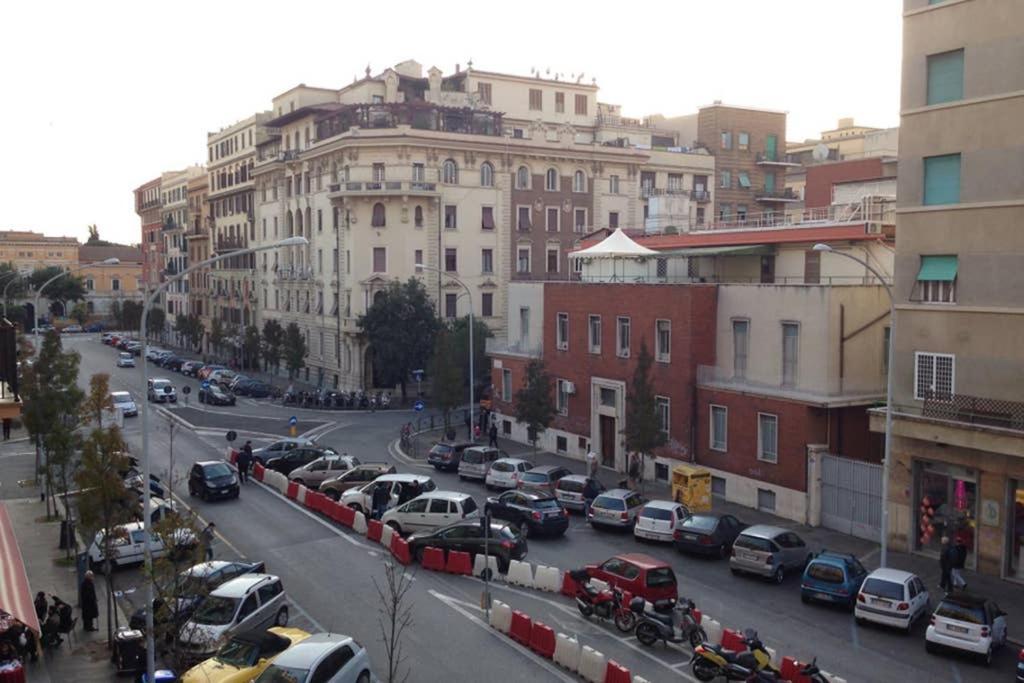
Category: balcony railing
<point>779,159</point>
<point>660,191</point>
<point>520,347</point>
<point>230,243</point>
<point>782,195</point>
<point>700,195</point>
<point>975,410</point>
<point>828,390</point>
<point>382,187</point>
<point>869,210</point>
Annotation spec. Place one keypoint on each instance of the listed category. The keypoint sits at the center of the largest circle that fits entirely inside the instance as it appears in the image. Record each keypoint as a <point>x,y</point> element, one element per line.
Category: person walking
<point>7,429</point>
<point>469,426</point>
<point>634,470</point>
<point>591,462</point>
<point>89,604</point>
<point>40,605</point>
<point>245,462</point>
<point>959,562</point>
<point>947,558</point>
<point>492,434</point>
<point>207,536</point>
<point>379,501</point>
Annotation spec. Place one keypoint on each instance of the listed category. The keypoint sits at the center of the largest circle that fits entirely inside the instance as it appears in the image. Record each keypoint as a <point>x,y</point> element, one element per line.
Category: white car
<point>505,472</point>
<point>129,545</point>
<point>891,597</point>
<point>659,519</point>
<point>401,488</point>
<point>253,602</point>
<point>153,351</point>
<point>125,360</point>
<point>968,623</point>
<point>430,511</point>
<point>123,401</point>
<point>327,657</point>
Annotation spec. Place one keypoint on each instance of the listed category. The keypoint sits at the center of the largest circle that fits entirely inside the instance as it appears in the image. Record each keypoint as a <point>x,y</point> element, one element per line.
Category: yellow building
<point>105,284</point>
<point>27,251</point>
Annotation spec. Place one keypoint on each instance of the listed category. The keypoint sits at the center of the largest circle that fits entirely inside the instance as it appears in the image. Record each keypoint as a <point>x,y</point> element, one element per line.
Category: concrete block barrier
<point>433,559</point>
<point>542,640</point>
<point>773,657</point>
<point>292,490</point>
<point>300,495</point>
<point>479,565</point>
<point>567,652</point>
<point>501,616</point>
<point>713,629</point>
<point>400,549</point>
<point>375,532</point>
<point>385,535</point>
<point>257,471</point>
<point>592,665</point>
<point>640,679</point>
<point>569,585</point>
<point>459,563</point>
<point>359,522</point>
<point>732,640</point>
<point>520,574</point>
<point>547,579</point>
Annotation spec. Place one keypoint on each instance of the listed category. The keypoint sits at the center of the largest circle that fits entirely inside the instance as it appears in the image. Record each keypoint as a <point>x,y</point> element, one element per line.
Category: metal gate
<point>851,496</point>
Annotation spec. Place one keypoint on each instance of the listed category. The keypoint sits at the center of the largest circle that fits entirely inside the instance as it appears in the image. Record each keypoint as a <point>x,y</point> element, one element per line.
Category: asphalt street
<point>329,573</point>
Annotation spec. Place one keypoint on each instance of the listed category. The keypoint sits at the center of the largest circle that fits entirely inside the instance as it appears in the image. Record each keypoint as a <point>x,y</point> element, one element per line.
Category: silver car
<point>327,657</point>
<point>477,460</point>
<point>768,551</point>
<point>615,508</point>
<point>311,475</point>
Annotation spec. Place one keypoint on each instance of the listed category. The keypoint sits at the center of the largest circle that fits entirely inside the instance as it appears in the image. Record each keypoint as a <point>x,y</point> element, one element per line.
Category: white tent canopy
<point>616,245</point>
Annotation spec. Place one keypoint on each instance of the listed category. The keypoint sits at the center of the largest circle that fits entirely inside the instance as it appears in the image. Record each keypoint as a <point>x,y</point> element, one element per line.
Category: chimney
<point>457,69</point>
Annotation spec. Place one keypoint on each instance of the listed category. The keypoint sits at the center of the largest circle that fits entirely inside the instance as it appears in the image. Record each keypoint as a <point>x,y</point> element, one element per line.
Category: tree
<point>533,402</point>
<point>94,238</point>
<point>173,593</point>
<point>447,377</point>
<point>80,313</point>
<point>132,314</point>
<point>116,313</point>
<point>251,344</point>
<point>155,321</point>
<point>460,345</point>
<point>643,424</point>
<point>395,618</point>
<point>180,326</point>
<point>294,350</point>
<point>273,338</point>
<point>67,288</point>
<point>217,335</point>
<point>196,330</point>
<point>400,327</point>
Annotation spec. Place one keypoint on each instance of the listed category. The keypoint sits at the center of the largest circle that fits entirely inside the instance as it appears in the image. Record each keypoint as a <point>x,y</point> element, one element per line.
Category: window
<point>380,260</point>
<point>561,444</point>
<point>594,333</point>
<point>506,385</point>
<point>663,340</point>
<point>451,303</point>
<point>486,175</point>
<point>934,375</point>
<point>579,223</point>
<point>743,141</point>
<point>523,218</point>
<point>523,178</point>
<point>622,325</point>
<point>417,257</point>
<point>484,90</point>
<point>613,184</point>
<point>378,220</point>
<point>524,323</point>
<point>766,500</point>
<point>812,267</point>
<point>90,285</point>
<point>790,336</point>
<point>450,217</point>
<point>487,261</point>
<point>551,180</point>
<point>581,105</point>
<point>662,405</point>
<point>767,437</point>
<point>740,347</point>
<point>523,260</point>
<point>743,179</point>
<point>378,173</point>
<point>115,284</point>
<point>607,397</point>
<point>945,77</point>
<point>450,260</point>
<point>937,279</point>
<point>613,219</point>
<point>726,140</point>
<point>419,173</point>
<point>560,102</point>
<point>487,304</point>
<point>552,264</point>
<point>536,99</point>
<point>418,216</point>
<point>562,397</point>
<point>725,180</point>
<point>551,216</point>
<point>579,181</point>
<point>562,332</point>
<point>942,179</point>
<point>719,428</point>
<point>449,172</point>
<point>334,261</point>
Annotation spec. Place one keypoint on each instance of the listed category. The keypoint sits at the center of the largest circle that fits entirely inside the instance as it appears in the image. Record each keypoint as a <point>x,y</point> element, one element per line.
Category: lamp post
<point>13,276</point>
<point>146,466</point>
<point>887,456</point>
<point>35,311</point>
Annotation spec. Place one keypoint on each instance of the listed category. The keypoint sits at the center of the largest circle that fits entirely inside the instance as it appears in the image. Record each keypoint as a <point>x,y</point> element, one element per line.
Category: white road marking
<point>397,454</point>
<point>323,522</point>
<point>216,533</point>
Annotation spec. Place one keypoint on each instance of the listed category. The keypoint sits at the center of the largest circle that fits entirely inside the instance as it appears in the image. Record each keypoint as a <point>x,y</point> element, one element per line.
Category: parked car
<point>173,363</point>
<point>357,476</point>
<point>327,657</point>
<point>446,456</point>
<point>505,472</point>
<point>832,577</point>
<point>505,542</point>
<point>236,380</point>
<point>261,455</point>
<point>476,461</point>
<point>577,491</point>
<point>211,479</point>
<point>768,551</point>
<point>159,509</point>
<point>296,457</point>
<point>160,390</point>
<point>968,623</point>
<point>892,597</point>
<point>190,367</point>
<point>73,329</point>
<point>658,520</point>
<point>221,377</point>
<point>327,466</point>
<point>543,478</point>
<point>125,360</point>
<point>106,337</point>
<point>134,348</point>
<point>533,512</point>
<point>708,534</point>
<point>245,656</point>
<point>430,511</point>
<point>247,603</point>
<point>129,542</point>
<point>215,396</point>
<point>124,402</point>
<point>253,388</point>
<point>639,574</point>
<point>615,508</point>
<point>204,372</point>
<point>153,352</point>
<point>401,488</point>
<point>94,327</point>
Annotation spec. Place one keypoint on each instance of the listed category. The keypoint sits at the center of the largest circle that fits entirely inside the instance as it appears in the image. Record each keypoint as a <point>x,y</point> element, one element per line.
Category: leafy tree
<point>80,313</point>
<point>196,330</point>
<point>117,313</point>
<point>460,345</point>
<point>273,338</point>
<point>643,424</point>
<point>180,326</point>
<point>447,376</point>
<point>132,314</point>
<point>400,327</point>
<point>14,283</point>
<point>534,404</point>
<point>155,322</point>
<point>67,288</point>
<point>97,401</point>
<point>217,335</point>
<point>94,238</point>
<point>251,347</point>
<point>295,350</point>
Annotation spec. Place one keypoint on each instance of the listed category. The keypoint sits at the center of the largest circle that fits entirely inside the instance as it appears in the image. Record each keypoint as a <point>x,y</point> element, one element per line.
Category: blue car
<point>832,577</point>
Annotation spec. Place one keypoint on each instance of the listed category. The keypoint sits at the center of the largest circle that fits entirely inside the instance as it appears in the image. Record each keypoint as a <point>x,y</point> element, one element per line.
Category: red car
<point>639,574</point>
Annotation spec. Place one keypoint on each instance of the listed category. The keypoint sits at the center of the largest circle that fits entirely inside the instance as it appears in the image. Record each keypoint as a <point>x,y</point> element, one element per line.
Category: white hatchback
<point>505,472</point>
<point>891,597</point>
<point>968,623</point>
<point>659,519</point>
<point>430,511</point>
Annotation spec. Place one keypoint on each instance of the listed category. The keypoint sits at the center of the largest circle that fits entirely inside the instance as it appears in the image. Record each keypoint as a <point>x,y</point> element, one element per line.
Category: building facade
<point>197,237</point>
<point>174,193</point>
<point>106,284</point>
<point>27,251</point>
<point>148,207</point>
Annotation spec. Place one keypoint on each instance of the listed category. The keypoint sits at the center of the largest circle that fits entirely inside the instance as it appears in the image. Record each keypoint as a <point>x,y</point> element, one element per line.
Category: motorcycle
<point>668,622</point>
<point>712,661</point>
<point>385,401</point>
<point>809,672</point>
<point>604,604</point>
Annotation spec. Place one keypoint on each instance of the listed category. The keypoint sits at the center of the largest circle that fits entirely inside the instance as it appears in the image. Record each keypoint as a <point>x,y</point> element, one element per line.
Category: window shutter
<point>946,77</point>
<point>942,179</point>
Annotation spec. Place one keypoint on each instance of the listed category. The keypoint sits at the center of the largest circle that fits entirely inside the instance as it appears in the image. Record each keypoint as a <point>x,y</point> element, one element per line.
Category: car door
<point>333,667</point>
<point>441,512</point>
<point>792,549</point>
<point>413,515</point>
<point>249,616</point>
<point>678,515</point>
<point>315,472</point>
<point>922,601</point>
<point>997,618</point>
<point>499,508</point>
<point>195,478</point>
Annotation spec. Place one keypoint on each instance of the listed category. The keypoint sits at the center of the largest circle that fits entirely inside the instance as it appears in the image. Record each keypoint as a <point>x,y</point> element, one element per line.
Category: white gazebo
<point>616,258</point>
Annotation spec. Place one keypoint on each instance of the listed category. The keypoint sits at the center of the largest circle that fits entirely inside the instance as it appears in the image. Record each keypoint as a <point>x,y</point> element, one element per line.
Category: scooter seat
<point>665,619</point>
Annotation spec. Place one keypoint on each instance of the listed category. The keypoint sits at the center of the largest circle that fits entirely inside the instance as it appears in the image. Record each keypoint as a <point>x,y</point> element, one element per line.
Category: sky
<point>101,97</point>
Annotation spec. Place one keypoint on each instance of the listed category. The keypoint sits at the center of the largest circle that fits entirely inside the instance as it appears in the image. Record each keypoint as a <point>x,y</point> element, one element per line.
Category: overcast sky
<point>96,102</point>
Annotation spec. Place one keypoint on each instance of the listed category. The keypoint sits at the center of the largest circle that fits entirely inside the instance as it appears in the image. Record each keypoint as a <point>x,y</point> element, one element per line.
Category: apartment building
<point>148,207</point>
<point>197,238</point>
<point>958,436</point>
<point>105,283</point>
<point>175,220</point>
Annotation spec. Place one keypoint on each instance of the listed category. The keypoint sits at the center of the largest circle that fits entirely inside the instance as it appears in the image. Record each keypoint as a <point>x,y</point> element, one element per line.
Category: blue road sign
<point>292,421</point>
<point>205,384</point>
<point>418,406</point>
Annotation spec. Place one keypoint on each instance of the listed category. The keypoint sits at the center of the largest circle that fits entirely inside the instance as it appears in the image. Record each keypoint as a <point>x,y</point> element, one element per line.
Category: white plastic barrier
<point>520,574</point>
<point>478,566</point>
<point>359,523</point>
<point>547,579</point>
<point>833,678</point>
<point>592,665</point>
<point>385,536</point>
<point>713,629</point>
<point>277,480</point>
<point>501,616</point>
<point>567,652</point>
<point>640,679</point>
<point>773,656</point>
<point>300,497</point>
<point>599,584</point>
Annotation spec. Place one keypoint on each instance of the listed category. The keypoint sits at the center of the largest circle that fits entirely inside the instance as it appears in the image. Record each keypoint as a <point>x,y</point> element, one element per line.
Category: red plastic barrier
<point>542,640</point>
<point>521,629</point>
<point>698,616</point>
<point>616,673</point>
<point>346,515</point>
<point>731,640</point>
<point>233,456</point>
<point>374,530</point>
<point>459,563</point>
<point>257,471</point>
<point>790,671</point>
<point>293,490</point>
<point>400,549</point>
<point>433,559</point>
<point>569,585</point>
<point>311,500</point>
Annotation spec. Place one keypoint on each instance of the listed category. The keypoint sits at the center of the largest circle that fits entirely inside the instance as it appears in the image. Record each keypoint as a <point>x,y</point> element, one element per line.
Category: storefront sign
<point>990,512</point>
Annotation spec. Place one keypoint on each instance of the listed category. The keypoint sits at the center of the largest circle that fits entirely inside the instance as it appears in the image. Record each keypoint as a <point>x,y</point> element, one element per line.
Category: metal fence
<point>851,496</point>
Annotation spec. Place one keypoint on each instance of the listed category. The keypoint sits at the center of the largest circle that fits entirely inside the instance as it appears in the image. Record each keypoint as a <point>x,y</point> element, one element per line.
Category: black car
<point>173,363</point>
<point>708,534</point>
<point>212,479</point>
<point>505,542</point>
<point>215,396</point>
<point>447,456</point>
<point>297,457</point>
<point>534,513</point>
<point>253,388</point>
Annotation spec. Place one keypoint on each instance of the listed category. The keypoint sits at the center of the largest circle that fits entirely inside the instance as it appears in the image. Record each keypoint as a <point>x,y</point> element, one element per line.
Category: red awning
<point>15,592</point>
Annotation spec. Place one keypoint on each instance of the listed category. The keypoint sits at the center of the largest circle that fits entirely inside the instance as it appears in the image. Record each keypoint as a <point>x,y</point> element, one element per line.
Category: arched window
<point>486,175</point>
<point>378,296</point>
<point>579,182</point>
<point>289,225</point>
<point>449,172</point>
<point>298,223</point>
<point>523,178</point>
<point>551,180</point>
<point>418,216</point>
<point>378,216</point>
<point>309,222</point>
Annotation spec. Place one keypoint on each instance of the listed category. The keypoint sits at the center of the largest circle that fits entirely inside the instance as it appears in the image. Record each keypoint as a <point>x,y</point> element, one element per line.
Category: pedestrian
<point>959,562</point>
<point>40,604</point>
<point>946,560</point>
<point>207,535</point>
<point>591,462</point>
<point>245,462</point>
<point>89,605</point>
<point>7,429</point>
<point>476,432</point>
<point>469,426</point>
<point>492,433</point>
<point>634,470</point>
<point>379,500</point>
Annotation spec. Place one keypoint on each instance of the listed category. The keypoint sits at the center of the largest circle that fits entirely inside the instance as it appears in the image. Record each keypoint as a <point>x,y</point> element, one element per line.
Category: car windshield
<point>700,523</point>
<point>656,513</point>
<point>276,673</point>
<point>570,485</point>
<point>440,449</point>
<point>468,506</point>
<point>826,573</point>
<point>883,589</point>
<point>609,503</point>
<point>534,478</point>
<point>216,611</point>
<point>218,470</point>
<point>662,576</point>
<point>159,384</point>
<point>192,586</point>
<point>971,614</point>
<point>237,653</point>
<point>122,398</point>
<point>545,504</point>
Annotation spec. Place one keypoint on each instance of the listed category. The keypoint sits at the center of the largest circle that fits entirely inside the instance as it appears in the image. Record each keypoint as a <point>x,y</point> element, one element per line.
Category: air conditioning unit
<point>570,388</point>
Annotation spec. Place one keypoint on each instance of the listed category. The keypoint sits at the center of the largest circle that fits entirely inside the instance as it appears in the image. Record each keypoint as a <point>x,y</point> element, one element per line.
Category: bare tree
<point>395,618</point>
<point>176,594</point>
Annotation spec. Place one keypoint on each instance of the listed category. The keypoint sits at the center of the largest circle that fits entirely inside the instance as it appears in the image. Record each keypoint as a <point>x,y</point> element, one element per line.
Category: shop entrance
<point>1015,528</point>
<point>947,505</point>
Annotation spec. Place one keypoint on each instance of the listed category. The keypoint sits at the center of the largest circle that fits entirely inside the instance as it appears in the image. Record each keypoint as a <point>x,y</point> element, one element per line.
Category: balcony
<point>230,243</point>
<point>521,347</point>
<point>702,196</point>
<point>829,391</point>
<point>785,160</point>
<point>779,195</point>
<point>381,188</point>
<point>340,119</point>
<point>664,191</point>
<point>975,410</point>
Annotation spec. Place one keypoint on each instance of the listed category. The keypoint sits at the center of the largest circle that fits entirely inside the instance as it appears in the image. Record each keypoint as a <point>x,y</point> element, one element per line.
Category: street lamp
<point>13,276</point>
<point>146,522</point>
<point>887,456</point>
<point>113,261</point>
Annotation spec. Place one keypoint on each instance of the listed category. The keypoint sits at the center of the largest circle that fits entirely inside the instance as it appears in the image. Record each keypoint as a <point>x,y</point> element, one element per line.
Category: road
<point>329,573</point>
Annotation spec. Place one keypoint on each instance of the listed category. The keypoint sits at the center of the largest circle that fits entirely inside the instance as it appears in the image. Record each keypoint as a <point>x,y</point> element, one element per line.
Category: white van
<point>430,511</point>
<point>129,545</point>
<point>477,460</point>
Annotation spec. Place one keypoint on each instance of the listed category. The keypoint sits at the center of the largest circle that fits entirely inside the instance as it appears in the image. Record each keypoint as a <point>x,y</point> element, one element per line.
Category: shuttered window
<point>946,77</point>
<point>942,179</point>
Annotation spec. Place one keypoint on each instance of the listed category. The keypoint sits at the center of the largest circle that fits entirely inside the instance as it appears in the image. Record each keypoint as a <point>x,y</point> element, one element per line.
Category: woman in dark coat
<point>90,606</point>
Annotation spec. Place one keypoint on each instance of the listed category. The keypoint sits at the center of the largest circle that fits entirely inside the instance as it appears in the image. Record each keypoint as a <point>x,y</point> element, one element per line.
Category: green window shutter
<point>744,180</point>
<point>769,182</point>
<point>946,77</point>
<point>771,145</point>
<point>938,268</point>
<point>942,179</point>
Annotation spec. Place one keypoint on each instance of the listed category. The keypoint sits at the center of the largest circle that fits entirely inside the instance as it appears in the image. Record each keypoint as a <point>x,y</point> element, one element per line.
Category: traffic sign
<point>418,406</point>
<point>232,435</point>
<point>186,390</point>
<point>292,421</point>
<point>205,384</point>
<point>417,375</point>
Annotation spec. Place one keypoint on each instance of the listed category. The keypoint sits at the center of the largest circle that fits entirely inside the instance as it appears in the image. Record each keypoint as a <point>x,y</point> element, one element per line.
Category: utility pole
<point>171,428</point>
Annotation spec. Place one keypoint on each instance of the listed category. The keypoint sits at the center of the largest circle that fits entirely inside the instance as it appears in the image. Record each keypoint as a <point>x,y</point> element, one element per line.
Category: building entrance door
<point>607,441</point>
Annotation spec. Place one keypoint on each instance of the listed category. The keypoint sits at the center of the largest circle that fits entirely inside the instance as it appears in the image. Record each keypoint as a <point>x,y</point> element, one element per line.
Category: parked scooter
<point>668,622</point>
<point>603,604</point>
<point>809,672</point>
<point>712,661</point>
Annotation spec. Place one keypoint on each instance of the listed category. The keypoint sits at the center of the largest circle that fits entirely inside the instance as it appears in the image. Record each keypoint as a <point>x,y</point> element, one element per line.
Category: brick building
<point>148,207</point>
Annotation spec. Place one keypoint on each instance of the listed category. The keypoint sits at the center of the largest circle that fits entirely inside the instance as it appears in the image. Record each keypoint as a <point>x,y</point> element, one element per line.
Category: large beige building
<point>487,177</point>
<point>958,442</point>
<point>27,251</point>
<point>109,283</point>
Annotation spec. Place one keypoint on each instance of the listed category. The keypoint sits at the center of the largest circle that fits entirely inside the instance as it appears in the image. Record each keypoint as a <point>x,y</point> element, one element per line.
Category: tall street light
<point>887,457</point>
<point>13,277</point>
<point>113,261</point>
<point>146,468</point>
<point>469,295</point>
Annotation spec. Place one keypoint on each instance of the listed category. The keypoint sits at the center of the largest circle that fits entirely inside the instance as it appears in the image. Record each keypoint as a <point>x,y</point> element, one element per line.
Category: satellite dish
<point>820,152</point>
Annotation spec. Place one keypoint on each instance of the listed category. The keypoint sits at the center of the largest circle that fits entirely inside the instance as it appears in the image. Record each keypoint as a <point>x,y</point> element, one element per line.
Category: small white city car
<point>659,519</point>
<point>891,597</point>
<point>967,623</point>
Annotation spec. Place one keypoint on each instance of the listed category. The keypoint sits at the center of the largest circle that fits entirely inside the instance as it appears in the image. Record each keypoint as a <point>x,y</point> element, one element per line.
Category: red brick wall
<point>820,179</point>
<point>517,365</point>
<point>540,239</point>
<point>851,436</point>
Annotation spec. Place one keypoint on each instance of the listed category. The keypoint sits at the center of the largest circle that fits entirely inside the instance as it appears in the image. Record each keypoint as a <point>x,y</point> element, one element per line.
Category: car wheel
<point>299,482</point>
<point>364,677</point>
<point>735,572</point>
<point>396,526</point>
<point>282,617</point>
<point>723,552</point>
<point>191,491</point>
<point>929,647</point>
<point>357,507</point>
<point>780,574</point>
<point>986,659</point>
<point>860,621</point>
<point>333,495</point>
<point>805,598</point>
